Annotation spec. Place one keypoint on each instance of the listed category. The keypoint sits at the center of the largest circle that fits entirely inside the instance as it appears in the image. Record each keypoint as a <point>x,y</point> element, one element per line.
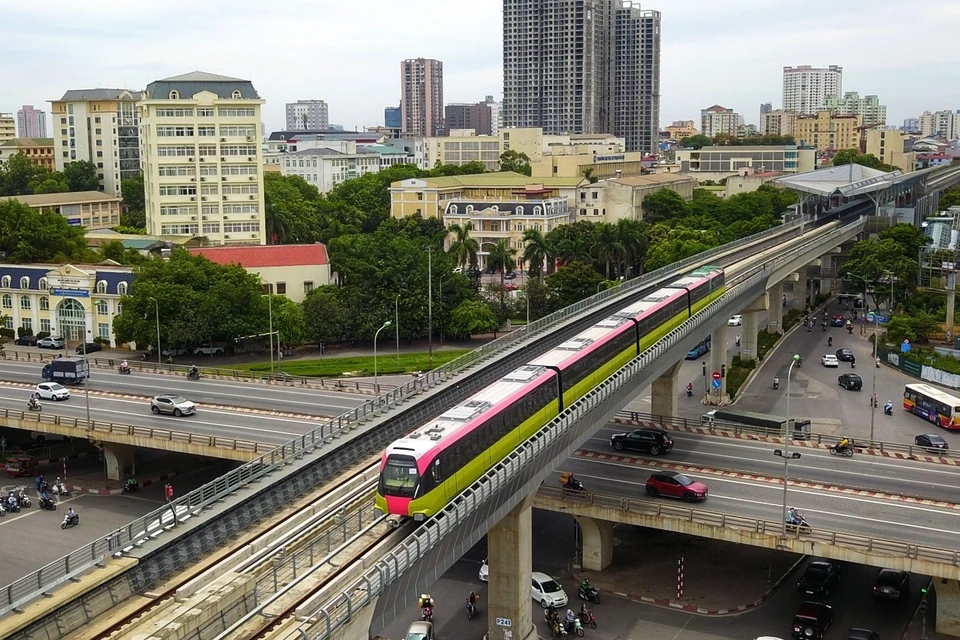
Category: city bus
<point>933,405</point>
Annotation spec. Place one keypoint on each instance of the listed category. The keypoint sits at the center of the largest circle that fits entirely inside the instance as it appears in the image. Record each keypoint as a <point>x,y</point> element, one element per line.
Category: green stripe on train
<point>437,499</point>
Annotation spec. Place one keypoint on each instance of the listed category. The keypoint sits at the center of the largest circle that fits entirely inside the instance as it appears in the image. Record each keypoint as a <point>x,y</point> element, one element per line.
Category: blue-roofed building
<point>64,300</point>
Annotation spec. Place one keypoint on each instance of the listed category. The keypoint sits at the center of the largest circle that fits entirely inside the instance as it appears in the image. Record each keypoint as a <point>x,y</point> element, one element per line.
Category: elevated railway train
<point>421,473</point>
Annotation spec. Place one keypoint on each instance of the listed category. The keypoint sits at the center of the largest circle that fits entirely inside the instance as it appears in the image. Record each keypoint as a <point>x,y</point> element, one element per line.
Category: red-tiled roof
<point>276,255</point>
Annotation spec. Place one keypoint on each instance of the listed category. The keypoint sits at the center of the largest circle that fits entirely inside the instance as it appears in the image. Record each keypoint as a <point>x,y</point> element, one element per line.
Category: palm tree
<point>277,224</point>
<point>502,257</point>
<point>537,251</point>
<point>463,248</point>
<point>634,241</point>
<point>575,248</point>
<point>606,246</point>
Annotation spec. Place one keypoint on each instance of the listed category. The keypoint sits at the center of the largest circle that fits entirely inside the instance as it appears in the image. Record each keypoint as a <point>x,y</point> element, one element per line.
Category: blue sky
<point>348,53</point>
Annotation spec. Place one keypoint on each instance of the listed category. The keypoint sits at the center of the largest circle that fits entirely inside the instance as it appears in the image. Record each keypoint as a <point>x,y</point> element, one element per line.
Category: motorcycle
<point>592,594</point>
<point>830,341</point>
<point>853,364</point>
<point>124,370</point>
<point>471,610</point>
<point>776,383</point>
<point>23,499</point>
<point>193,375</point>
<point>69,521</point>
<point>586,617</point>
<point>888,409</point>
<point>48,504</point>
<point>33,405</point>
<point>850,329</point>
<point>575,626</point>
<point>12,506</point>
<point>689,391</point>
<point>130,487</point>
<point>59,489</point>
<point>427,614</point>
<point>846,452</point>
<point>567,481</point>
<point>559,629</point>
<point>824,325</point>
<point>796,519</point>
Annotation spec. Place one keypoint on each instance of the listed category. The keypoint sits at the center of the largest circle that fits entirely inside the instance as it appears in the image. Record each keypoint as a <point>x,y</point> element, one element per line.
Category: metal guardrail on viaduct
<point>116,543</point>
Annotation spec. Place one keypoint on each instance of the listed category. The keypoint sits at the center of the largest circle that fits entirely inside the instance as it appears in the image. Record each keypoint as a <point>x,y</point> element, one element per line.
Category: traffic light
<point>704,369</point>
<point>923,606</point>
<point>323,348</point>
<point>723,371</point>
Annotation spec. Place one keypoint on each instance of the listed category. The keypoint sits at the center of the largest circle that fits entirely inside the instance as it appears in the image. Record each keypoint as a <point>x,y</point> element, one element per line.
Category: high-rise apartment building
<point>943,124</point>
<point>718,120</point>
<point>421,97</point>
<point>777,123</point>
<point>8,130</point>
<point>31,123</point>
<point>307,115</point>
<point>868,107</point>
<point>100,126</point>
<point>805,88</point>
<point>478,117</point>
<point>828,131</point>
<point>583,66</point>
<point>393,120</point>
<point>496,114</point>
<point>202,163</point>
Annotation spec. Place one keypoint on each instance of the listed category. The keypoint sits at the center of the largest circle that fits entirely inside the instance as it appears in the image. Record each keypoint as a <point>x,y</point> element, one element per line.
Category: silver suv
<point>50,343</point>
<point>170,403</point>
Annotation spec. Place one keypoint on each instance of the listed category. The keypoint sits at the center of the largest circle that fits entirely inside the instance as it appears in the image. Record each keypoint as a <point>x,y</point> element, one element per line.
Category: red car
<point>676,485</point>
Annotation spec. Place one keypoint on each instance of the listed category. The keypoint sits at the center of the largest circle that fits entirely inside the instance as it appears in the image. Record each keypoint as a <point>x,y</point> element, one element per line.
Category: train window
<point>435,471</point>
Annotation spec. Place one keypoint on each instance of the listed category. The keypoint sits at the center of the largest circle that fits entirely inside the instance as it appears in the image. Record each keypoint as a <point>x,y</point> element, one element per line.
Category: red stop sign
<point>716,375</point>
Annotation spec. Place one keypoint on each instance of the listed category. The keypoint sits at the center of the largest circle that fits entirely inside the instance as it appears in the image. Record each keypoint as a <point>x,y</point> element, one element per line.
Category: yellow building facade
<point>829,131</point>
<point>8,127</point>
<point>87,209</point>
<point>38,151</point>
<point>888,146</point>
<point>681,129</point>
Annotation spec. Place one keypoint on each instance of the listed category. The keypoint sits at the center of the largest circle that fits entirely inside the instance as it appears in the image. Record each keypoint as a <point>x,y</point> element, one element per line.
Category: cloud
<point>349,53</point>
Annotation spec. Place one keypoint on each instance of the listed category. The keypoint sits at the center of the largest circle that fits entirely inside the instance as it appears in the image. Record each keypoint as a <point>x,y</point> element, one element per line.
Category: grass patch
<point>737,374</point>
<point>765,342</point>
<point>359,365</point>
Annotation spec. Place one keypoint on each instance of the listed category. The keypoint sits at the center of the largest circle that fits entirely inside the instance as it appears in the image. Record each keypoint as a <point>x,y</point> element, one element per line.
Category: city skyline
<point>286,68</point>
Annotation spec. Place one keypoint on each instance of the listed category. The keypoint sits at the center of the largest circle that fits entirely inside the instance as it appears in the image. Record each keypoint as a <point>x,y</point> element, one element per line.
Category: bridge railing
<point>660,509</point>
<point>32,585</point>
<point>96,427</point>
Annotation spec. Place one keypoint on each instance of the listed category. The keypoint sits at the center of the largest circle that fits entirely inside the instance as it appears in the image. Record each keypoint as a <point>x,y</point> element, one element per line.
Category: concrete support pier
<point>776,308</point>
<point>597,542</point>
<point>718,360</point>
<point>801,289</point>
<point>119,459</point>
<point>664,393</point>
<point>510,557</point>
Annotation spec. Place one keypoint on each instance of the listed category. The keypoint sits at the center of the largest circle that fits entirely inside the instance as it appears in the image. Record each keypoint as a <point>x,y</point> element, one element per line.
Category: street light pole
<point>270,312</point>
<point>157,305</point>
<point>786,446</point>
<point>376,385</point>
<point>429,305</point>
<point>396,318</point>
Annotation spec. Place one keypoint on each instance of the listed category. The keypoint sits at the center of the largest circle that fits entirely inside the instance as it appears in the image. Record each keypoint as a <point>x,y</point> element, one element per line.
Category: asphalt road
<point>34,538</point>
<point>206,390</point>
<point>881,516</point>
<point>211,422</point>
<point>620,619</point>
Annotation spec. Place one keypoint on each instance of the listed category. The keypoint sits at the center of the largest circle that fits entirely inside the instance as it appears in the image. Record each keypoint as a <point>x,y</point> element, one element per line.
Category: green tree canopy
<point>17,175</point>
<point>571,283</point>
<point>289,321</point>
<point>881,261</point>
<point>291,209</point>
<point>82,176</point>
<point>133,194</point>
<point>324,316</point>
<point>510,160</point>
<point>696,142</point>
<point>852,156</point>
<point>470,318</point>
<point>907,236</point>
<point>27,235</point>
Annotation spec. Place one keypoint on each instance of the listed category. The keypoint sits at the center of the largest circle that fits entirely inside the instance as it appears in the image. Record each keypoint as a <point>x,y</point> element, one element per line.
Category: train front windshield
<point>399,477</point>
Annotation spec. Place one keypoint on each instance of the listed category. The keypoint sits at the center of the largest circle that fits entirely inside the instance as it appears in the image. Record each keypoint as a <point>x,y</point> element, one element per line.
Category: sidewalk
<point>718,577</point>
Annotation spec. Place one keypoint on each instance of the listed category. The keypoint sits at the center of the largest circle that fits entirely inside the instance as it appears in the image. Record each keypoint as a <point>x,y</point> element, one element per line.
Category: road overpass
<point>815,242</point>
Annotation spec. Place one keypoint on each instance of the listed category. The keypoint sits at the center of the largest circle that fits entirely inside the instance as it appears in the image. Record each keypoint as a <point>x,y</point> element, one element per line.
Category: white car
<point>484,571</point>
<point>52,391</point>
<point>208,351</point>
<point>829,361</point>
<point>735,321</point>
<point>547,591</point>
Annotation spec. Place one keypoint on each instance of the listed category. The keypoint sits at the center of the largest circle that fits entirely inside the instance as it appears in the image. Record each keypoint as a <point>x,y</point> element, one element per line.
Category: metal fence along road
<point>33,585</point>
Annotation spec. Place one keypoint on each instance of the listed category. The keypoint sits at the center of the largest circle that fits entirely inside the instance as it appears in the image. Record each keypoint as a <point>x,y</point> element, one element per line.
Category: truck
<point>770,424</point>
<point>66,370</point>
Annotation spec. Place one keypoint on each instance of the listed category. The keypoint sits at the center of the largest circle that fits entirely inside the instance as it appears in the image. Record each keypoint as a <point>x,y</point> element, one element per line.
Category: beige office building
<point>888,145</point>
<point>87,209</point>
<point>778,123</point>
<point>622,198</point>
<point>100,126</point>
<point>717,163</point>
<point>681,129</point>
<point>8,127</point>
<point>39,151</point>
<point>827,131</point>
<point>202,158</point>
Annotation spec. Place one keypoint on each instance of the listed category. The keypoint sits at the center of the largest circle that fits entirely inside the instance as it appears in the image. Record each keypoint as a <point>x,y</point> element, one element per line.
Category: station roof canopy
<point>846,180</point>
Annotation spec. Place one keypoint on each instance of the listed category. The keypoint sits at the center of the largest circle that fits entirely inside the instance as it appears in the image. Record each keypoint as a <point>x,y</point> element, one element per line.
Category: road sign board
<point>716,375</point>
<point>716,384</point>
<point>504,622</point>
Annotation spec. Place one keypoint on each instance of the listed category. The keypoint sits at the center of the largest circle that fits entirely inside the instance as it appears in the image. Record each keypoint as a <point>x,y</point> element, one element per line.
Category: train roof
<point>456,419</point>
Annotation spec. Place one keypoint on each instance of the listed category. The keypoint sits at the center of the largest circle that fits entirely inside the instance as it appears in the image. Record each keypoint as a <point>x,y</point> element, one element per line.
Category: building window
<point>102,307</point>
<point>5,282</point>
<point>174,95</point>
<point>102,286</point>
<point>122,288</point>
<point>281,288</point>
<point>103,328</point>
<point>25,302</point>
<point>7,301</point>
<point>307,287</point>
<point>27,323</point>
<point>8,322</point>
<point>236,95</point>
<point>44,303</point>
<point>45,325</point>
<point>24,282</point>
<point>205,112</point>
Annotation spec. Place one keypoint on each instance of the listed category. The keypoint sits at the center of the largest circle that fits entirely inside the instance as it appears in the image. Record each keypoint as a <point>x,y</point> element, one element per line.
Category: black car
<point>844,355</point>
<point>819,577</point>
<point>90,347</point>
<point>26,341</point>
<point>933,441</point>
<point>656,441</point>
<point>862,634</point>
<point>811,621</point>
<point>850,382</point>
<point>510,276</point>
<point>891,584</point>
